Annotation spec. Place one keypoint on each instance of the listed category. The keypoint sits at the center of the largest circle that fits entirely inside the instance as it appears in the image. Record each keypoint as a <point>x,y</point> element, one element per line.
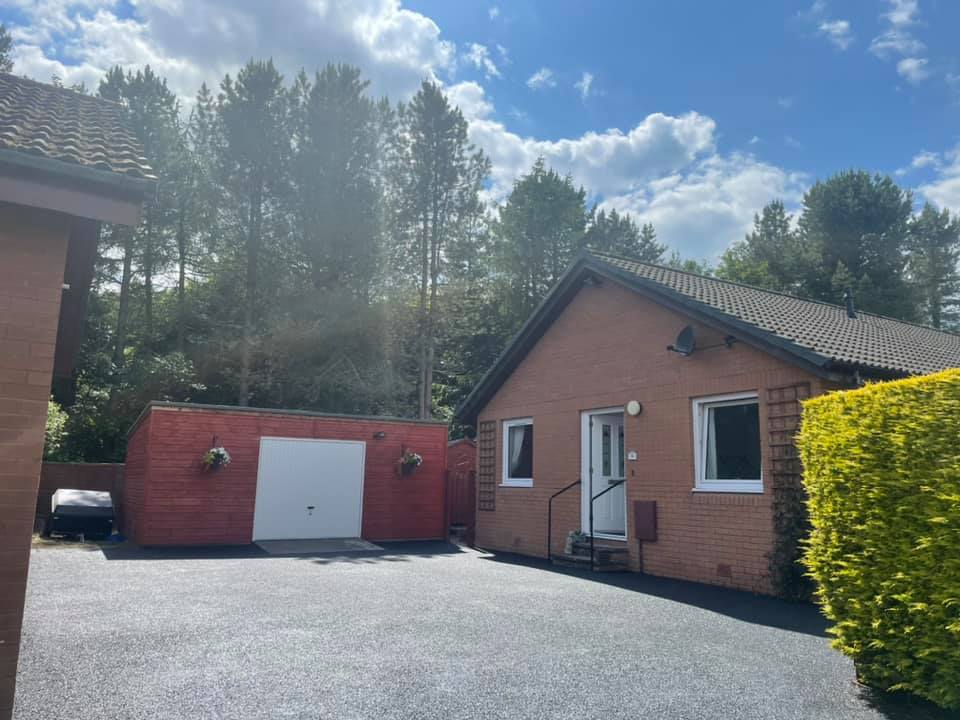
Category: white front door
<point>308,489</point>
<point>602,467</point>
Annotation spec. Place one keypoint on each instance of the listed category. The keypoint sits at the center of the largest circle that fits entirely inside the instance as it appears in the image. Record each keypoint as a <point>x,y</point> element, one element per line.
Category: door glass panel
<point>605,451</point>
<point>620,454</point>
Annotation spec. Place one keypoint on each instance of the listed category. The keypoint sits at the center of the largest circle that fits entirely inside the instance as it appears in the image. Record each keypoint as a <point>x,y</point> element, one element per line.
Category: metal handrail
<point>609,487</point>
<point>550,517</point>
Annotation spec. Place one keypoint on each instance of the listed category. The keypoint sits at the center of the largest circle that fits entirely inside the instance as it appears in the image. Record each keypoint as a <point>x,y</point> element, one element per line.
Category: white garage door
<point>308,489</point>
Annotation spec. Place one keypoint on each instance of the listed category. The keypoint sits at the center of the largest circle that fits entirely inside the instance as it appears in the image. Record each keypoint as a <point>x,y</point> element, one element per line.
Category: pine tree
<point>337,182</point>
<point>438,176</point>
<point>861,220</point>
<point>253,160</point>
<point>541,227</point>
<point>933,256</point>
<point>6,46</point>
<point>619,234</point>
<point>770,256</point>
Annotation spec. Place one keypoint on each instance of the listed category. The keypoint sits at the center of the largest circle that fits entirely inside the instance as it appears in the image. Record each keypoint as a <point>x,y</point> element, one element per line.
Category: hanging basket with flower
<point>409,462</point>
<point>215,457</point>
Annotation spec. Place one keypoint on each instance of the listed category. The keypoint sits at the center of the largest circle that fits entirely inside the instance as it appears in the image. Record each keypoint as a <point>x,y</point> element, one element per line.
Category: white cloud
<point>607,162</point>
<point>494,12</point>
<point>584,85</point>
<point>898,40</point>
<point>785,102</point>
<point>944,190</point>
<point>542,78</point>
<point>913,69</point>
<point>478,56</point>
<point>754,140</point>
<point>504,54</point>
<point>199,41</point>
<point>791,141</point>
<point>700,211</point>
<point>921,160</point>
<point>837,32</point>
<point>665,170</point>
<point>471,99</point>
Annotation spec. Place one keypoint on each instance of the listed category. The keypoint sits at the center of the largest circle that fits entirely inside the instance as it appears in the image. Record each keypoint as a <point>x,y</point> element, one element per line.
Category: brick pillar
<point>33,247</point>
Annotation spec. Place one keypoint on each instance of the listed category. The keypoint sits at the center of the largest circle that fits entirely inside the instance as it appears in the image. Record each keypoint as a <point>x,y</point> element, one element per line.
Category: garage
<point>220,475</point>
<point>308,489</point>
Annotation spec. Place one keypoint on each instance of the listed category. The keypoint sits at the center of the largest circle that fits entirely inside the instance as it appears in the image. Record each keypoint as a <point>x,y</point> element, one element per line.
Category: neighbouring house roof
<point>815,335</point>
<point>53,129</point>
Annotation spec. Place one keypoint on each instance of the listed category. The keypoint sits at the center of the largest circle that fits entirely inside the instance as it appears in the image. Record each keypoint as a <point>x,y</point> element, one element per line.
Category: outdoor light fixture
<point>634,408</point>
<point>379,435</point>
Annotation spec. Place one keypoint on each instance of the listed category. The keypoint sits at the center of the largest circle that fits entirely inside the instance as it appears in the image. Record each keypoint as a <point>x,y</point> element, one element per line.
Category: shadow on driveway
<point>389,552</point>
<point>746,607</point>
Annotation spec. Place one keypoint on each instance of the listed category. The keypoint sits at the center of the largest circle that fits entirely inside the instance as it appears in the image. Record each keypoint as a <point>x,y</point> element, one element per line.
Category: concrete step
<point>582,562</point>
<point>602,553</point>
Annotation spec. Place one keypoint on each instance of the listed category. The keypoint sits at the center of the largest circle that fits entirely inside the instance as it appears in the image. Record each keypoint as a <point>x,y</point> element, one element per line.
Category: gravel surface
<point>416,631</point>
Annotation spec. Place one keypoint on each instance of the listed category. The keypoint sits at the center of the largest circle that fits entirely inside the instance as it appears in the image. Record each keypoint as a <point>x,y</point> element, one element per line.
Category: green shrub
<point>882,471</point>
<point>55,432</point>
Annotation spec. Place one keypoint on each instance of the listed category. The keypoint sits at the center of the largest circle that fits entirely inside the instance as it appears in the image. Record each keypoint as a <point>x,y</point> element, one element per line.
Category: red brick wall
<point>171,500</point>
<point>606,348</point>
<point>135,479</point>
<point>106,477</point>
<point>32,251</point>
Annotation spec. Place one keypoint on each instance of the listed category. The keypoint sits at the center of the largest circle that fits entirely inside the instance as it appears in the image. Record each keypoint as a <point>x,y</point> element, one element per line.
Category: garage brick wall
<point>33,247</point>
<point>606,348</point>
<point>172,500</point>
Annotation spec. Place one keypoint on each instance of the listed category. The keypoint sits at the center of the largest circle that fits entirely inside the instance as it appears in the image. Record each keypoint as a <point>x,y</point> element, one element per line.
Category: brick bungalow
<point>701,434</point>
<point>67,163</point>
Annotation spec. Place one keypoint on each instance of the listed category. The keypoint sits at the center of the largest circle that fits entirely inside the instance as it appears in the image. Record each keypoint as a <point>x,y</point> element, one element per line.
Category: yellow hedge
<point>882,471</point>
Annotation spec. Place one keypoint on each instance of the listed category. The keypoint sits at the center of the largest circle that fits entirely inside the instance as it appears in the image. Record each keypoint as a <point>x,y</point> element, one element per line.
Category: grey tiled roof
<point>59,124</point>
<point>867,341</point>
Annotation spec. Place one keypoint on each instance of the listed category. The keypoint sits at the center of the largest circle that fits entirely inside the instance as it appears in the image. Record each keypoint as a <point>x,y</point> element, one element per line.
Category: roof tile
<point>63,125</point>
<point>868,341</point>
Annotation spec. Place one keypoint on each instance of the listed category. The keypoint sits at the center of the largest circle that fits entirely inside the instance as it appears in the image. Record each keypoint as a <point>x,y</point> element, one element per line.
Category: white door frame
<point>363,470</point>
<point>586,440</point>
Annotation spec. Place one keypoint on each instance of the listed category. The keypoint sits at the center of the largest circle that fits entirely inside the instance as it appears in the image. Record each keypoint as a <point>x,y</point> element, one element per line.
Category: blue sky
<point>687,114</point>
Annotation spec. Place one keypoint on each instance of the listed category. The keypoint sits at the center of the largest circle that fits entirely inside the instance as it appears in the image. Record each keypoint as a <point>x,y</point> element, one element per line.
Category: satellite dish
<point>685,343</point>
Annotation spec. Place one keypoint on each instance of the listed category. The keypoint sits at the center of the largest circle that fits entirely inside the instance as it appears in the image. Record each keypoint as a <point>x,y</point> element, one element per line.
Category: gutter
<point>118,182</point>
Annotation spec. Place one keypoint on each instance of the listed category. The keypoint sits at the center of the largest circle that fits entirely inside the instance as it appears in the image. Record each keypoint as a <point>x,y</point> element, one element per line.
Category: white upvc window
<point>726,434</point>
<point>518,452</point>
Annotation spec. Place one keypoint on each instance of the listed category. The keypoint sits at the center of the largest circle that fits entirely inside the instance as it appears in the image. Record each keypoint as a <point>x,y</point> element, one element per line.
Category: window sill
<point>732,489</point>
<point>517,483</point>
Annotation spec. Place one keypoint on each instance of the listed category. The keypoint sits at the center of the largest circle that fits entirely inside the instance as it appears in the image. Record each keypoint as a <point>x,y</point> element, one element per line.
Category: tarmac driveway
<point>416,631</point>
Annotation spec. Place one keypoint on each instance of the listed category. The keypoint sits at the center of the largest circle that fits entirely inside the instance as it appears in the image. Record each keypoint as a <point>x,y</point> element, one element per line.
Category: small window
<point>518,452</point>
<point>727,435</point>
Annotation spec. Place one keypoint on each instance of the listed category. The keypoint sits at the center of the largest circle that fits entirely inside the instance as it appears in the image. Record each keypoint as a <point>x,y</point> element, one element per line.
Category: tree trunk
<point>431,326</point>
<point>254,235</point>
<point>123,312</point>
<point>148,262</point>
<point>424,408</point>
<point>181,277</point>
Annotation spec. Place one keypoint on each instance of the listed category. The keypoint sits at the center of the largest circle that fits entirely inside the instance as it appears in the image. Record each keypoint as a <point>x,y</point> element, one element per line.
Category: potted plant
<point>215,457</point>
<point>409,462</point>
<point>574,537</point>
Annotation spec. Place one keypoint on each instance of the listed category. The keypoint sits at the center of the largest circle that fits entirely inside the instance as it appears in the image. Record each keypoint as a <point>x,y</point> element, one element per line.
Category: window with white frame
<point>518,452</point>
<point>727,438</point>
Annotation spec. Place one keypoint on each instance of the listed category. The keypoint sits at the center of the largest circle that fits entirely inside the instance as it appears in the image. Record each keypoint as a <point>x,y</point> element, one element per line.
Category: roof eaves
<point>522,341</point>
<point>119,182</point>
<point>558,298</point>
